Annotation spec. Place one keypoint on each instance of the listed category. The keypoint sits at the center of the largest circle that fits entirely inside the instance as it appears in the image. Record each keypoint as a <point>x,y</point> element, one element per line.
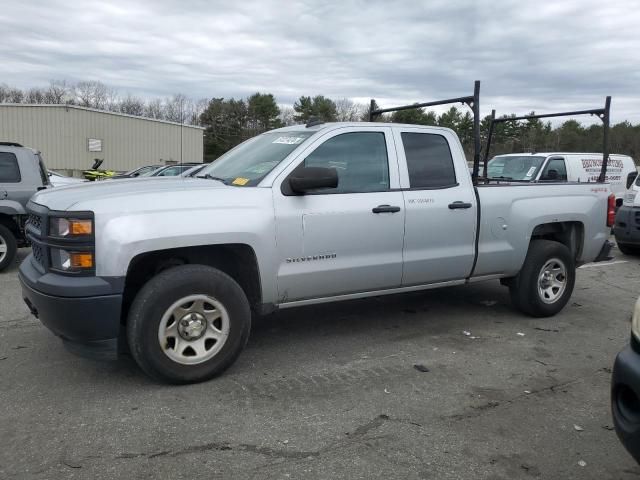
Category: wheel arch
<point>237,260</point>
<point>569,233</point>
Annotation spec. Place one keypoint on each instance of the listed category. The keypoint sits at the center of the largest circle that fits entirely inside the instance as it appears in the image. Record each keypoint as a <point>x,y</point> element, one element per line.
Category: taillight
<point>611,210</point>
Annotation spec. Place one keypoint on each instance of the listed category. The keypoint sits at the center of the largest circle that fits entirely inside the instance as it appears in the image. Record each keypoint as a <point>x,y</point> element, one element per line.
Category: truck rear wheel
<point>188,324</point>
<point>8,247</point>
<point>545,283</point>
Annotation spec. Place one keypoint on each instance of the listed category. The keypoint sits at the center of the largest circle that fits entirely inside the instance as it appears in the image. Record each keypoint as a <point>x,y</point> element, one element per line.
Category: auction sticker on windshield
<point>289,140</point>
<point>240,181</point>
<point>531,171</point>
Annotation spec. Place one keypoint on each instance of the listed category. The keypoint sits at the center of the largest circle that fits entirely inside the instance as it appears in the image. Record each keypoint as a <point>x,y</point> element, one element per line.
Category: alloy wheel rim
<point>193,329</point>
<point>552,280</point>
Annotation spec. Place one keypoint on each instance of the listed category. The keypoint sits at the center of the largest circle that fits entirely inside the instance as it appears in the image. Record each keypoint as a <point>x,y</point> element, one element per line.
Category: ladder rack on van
<point>602,113</point>
<point>473,101</point>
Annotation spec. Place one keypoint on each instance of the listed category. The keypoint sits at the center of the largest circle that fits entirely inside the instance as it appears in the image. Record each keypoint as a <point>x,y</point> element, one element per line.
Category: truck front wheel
<point>188,324</point>
<point>545,283</point>
<point>8,247</point>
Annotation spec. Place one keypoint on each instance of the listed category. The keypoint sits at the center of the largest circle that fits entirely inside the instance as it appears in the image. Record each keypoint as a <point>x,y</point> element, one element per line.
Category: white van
<point>570,167</point>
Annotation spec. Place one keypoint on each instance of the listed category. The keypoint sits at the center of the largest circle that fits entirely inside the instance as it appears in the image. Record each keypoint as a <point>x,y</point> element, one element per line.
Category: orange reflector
<point>80,227</point>
<point>81,259</point>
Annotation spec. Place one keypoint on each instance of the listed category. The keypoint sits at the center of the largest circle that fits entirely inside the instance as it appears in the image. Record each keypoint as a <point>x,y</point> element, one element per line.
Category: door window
<point>555,170</point>
<point>9,171</point>
<point>360,159</point>
<point>429,160</point>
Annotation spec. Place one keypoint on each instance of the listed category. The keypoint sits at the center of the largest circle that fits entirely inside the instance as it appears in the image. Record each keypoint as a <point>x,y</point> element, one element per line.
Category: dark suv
<point>22,173</point>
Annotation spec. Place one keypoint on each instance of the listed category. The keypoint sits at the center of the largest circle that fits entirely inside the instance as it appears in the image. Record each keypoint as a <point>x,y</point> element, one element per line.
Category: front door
<point>347,239</point>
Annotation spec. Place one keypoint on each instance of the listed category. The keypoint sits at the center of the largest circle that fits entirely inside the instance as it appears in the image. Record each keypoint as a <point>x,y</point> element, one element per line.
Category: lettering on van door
<point>593,166</point>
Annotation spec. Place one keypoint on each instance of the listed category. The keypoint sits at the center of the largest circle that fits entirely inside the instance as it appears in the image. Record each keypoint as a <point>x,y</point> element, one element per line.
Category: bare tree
<point>348,110</point>
<point>10,94</point>
<point>93,94</point>
<point>198,107</point>
<point>57,93</point>
<point>286,115</point>
<point>154,109</point>
<point>131,106</point>
<point>178,108</point>
<point>35,96</point>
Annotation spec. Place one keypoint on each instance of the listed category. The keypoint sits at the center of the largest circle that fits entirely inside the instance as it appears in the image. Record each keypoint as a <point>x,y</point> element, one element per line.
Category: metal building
<point>71,137</point>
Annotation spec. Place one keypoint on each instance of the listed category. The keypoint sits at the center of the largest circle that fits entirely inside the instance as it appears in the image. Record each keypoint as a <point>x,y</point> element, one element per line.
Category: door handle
<point>459,204</point>
<point>385,209</point>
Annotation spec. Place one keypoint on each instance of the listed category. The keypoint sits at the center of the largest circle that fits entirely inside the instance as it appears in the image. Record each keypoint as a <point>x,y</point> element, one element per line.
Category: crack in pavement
<point>356,435</point>
<point>478,410</point>
<point>223,446</point>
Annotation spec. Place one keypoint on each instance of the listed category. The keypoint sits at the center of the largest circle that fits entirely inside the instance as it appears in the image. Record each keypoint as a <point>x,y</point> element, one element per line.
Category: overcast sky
<point>534,55</point>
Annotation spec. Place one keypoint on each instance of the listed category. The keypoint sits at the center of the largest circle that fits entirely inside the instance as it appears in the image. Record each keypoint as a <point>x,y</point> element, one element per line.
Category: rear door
<point>348,239</point>
<point>440,204</point>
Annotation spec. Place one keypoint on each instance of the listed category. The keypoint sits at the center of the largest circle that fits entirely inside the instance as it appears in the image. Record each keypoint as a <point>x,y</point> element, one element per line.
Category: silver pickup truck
<point>295,216</point>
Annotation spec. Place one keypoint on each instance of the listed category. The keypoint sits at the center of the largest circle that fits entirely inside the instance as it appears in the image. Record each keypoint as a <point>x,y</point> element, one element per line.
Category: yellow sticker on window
<point>240,181</point>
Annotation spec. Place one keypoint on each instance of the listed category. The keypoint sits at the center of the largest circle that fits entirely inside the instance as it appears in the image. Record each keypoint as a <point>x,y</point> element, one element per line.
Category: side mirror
<point>551,174</point>
<point>306,179</point>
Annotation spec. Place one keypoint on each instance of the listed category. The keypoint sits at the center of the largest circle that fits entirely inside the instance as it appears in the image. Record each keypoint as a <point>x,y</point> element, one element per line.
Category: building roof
<point>77,107</point>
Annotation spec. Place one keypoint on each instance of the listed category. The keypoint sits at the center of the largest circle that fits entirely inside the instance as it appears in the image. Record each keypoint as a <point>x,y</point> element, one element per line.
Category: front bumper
<point>83,311</point>
<point>627,225</point>
<point>625,398</point>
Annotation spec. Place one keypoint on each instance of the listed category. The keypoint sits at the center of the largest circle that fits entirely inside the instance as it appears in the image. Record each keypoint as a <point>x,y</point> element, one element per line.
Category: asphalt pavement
<point>442,384</point>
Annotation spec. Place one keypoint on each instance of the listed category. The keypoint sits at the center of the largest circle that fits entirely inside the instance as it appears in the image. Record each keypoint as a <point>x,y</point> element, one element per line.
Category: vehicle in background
<point>58,180</point>
<point>22,173</point>
<point>564,167</point>
<point>627,225</point>
<point>96,174</point>
<point>625,390</point>
<point>169,170</point>
<point>296,216</point>
<point>193,171</point>
<point>136,172</point>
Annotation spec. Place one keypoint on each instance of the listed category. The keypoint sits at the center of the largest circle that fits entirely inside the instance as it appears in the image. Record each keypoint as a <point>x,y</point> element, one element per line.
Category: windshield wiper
<point>211,177</point>
<point>500,178</point>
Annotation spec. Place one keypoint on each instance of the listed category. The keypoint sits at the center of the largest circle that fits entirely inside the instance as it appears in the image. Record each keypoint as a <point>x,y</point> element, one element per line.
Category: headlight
<point>70,261</point>
<point>629,198</point>
<point>635,321</point>
<point>71,227</point>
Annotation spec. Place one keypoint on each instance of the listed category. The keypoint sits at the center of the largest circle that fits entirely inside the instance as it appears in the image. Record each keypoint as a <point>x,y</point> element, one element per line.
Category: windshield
<point>512,167</point>
<point>141,170</point>
<point>251,161</point>
<point>149,173</point>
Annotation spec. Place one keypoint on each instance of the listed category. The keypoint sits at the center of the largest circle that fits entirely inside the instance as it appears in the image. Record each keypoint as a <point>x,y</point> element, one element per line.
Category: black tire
<point>154,300</point>
<point>7,238</point>
<point>628,249</point>
<point>525,294</point>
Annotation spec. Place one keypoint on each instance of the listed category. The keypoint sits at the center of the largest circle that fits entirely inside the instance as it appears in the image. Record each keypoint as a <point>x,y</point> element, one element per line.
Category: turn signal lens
<point>71,261</point>
<point>81,260</point>
<point>71,227</point>
<point>81,227</point>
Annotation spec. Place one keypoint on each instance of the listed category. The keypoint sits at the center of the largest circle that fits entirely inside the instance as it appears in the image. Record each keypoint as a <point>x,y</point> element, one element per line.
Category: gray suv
<point>22,173</point>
